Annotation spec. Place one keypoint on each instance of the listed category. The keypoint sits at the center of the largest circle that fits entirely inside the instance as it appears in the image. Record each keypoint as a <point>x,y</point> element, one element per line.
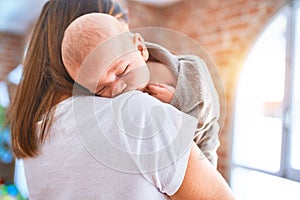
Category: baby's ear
<point>138,42</point>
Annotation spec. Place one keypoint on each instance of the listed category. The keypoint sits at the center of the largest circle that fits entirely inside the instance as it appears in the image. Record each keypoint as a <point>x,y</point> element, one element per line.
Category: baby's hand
<point>160,91</point>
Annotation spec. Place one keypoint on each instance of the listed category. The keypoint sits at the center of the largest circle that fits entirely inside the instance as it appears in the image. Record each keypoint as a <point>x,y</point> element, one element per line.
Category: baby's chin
<point>142,88</point>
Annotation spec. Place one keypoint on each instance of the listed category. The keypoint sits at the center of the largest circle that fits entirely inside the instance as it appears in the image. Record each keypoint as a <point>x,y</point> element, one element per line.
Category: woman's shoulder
<point>135,104</point>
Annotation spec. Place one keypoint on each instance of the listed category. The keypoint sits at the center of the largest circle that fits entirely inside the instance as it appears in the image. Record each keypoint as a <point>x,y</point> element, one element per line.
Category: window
<point>294,161</point>
<point>266,139</point>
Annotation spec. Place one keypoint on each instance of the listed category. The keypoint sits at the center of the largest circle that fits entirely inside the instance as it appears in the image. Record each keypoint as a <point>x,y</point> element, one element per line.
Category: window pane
<point>295,144</point>
<point>253,185</point>
<point>258,123</point>
<point>4,98</point>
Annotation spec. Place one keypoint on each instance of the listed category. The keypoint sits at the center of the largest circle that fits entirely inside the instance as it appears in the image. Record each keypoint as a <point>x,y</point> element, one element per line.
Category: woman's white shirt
<point>129,147</point>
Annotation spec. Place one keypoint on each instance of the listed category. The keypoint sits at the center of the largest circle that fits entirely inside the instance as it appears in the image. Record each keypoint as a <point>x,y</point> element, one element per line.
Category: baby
<point>102,56</point>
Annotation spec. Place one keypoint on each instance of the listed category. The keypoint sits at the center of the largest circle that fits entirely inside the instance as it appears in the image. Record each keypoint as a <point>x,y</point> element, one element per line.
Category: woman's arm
<point>202,181</point>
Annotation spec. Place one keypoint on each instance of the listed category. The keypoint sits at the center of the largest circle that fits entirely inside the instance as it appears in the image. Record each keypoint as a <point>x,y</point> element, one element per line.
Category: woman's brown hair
<point>45,80</point>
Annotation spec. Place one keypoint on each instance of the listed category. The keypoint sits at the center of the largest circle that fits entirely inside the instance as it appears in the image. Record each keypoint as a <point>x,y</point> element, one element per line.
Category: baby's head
<point>102,56</point>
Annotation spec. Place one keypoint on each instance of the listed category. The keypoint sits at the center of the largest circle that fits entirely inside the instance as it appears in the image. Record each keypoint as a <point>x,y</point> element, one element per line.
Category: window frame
<point>289,172</point>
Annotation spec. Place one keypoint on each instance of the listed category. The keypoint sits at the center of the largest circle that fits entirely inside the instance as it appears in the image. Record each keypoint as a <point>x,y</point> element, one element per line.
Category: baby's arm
<point>163,92</point>
<point>196,95</point>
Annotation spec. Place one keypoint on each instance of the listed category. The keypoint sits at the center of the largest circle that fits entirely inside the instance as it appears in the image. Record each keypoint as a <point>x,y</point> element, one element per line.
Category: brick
<point>11,49</point>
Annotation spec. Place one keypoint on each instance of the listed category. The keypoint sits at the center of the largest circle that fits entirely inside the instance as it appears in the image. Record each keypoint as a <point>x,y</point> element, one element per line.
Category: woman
<point>52,80</point>
<point>47,129</point>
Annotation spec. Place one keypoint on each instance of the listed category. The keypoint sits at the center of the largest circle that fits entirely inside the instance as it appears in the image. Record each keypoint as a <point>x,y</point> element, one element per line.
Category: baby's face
<point>128,72</point>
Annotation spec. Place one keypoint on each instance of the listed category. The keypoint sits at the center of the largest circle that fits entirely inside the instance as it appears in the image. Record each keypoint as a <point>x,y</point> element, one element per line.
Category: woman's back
<point>67,169</point>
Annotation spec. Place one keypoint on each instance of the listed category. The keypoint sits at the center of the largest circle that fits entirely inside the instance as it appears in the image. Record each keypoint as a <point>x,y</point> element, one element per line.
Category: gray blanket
<point>195,95</point>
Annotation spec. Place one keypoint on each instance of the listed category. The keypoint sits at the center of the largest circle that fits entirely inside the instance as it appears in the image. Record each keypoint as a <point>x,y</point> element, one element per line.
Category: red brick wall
<point>11,52</point>
<point>226,29</point>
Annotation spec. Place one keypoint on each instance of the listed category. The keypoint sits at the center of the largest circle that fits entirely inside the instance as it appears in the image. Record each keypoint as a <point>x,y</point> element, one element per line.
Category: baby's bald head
<point>83,35</point>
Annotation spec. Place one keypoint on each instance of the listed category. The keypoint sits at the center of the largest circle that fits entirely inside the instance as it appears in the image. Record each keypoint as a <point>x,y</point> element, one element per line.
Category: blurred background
<point>250,47</point>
